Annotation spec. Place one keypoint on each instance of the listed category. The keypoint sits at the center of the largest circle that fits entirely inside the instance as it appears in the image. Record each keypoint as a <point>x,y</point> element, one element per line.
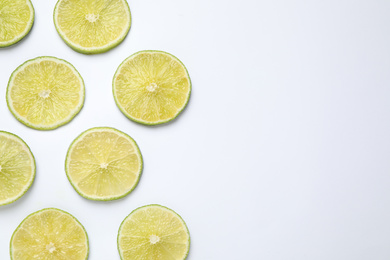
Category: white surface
<point>283,151</point>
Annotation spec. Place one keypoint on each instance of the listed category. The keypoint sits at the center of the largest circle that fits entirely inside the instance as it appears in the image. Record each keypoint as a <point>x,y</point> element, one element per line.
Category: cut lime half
<point>103,164</point>
<point>45,93</point>
<point>17,168</point>
<point>153,232</point>
<point>92,26</point>
<point>16,20</point>
<point>151,87</point>
<point>49,234</point>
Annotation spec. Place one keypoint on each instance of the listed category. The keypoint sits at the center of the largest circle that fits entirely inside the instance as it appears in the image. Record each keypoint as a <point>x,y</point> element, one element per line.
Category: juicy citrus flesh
<point>151,87</point>
<point>92,25</point>
<point>45,93</point>
<point>153,232</point>
<point>16,19</point>
<point>103,164</point>
<point>49,234</point>
<point>17,168</point>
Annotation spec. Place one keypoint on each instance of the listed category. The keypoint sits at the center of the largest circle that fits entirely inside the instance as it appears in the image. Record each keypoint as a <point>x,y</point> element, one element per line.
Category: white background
<point>283,151</point>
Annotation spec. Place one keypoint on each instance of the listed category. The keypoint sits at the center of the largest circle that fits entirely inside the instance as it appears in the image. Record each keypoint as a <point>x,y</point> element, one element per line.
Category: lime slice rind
<point>47,209</point>
<point>32,178</point>
<point>92,50</point>
<point>68,160</point>
<point>27,30</point>
<point>73,113</point>
<point>141,121</point>
<point>170,211</point>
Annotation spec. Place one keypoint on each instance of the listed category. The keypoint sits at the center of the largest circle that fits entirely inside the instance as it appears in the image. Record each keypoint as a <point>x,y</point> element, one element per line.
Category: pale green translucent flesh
<point>48,235</point>
<point>37,77</point>
<point>146,69</point>
<point>16,168</point>
<point>104,164</point>
<point>108,21</point>
<point>135,233</point>
<point>14,19</point>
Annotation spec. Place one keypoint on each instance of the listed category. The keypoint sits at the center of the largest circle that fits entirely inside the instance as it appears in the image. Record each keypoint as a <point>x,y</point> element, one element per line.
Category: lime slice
<point>151,87</point>
<point>17,168</point>
<point>49,234</point>
<point>103,164</point>
<point>16,20</point>
<point>92,26</point>
<point>153,232</point>
<point>45,93</point>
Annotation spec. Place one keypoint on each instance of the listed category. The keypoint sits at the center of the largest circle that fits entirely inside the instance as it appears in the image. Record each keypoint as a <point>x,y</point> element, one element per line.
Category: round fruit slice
<point>45,93</point>
<point>16,20</point>
<point>92,26</point>
<point>153,232</point>
<point>17,168</point>
<point>103,164</point>
<point>49,234</point>
<point>151,87</point>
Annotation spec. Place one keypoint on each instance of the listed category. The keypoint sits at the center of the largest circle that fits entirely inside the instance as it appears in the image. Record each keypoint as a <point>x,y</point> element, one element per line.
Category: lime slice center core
<point>152,87</point>
<point>92,17</point>
<point>154,239</point>
<point>51,248</point>
<point>44,93</point>
<point>104,165</point>
<point>0,168</point>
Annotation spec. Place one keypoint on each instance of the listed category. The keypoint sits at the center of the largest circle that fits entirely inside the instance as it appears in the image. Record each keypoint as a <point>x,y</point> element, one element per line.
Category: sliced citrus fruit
<point>49,234</point>
<point>103,164</point>
<point>16,20</point>
<point>45,93</point>
<point>153,232</point>
<point>92,26</point>
<point>151,87</point>
<point>17,168</point>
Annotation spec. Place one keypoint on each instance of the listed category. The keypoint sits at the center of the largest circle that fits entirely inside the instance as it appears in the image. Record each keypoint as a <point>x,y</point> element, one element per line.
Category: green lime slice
<point>103,164</point>
<point>153,232</point>
<point>92,26</point>
<point>151,87</point>
<point>16,20</point>
<point>17,168</point>
<point>45,93</point>
<point>49,234</point>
